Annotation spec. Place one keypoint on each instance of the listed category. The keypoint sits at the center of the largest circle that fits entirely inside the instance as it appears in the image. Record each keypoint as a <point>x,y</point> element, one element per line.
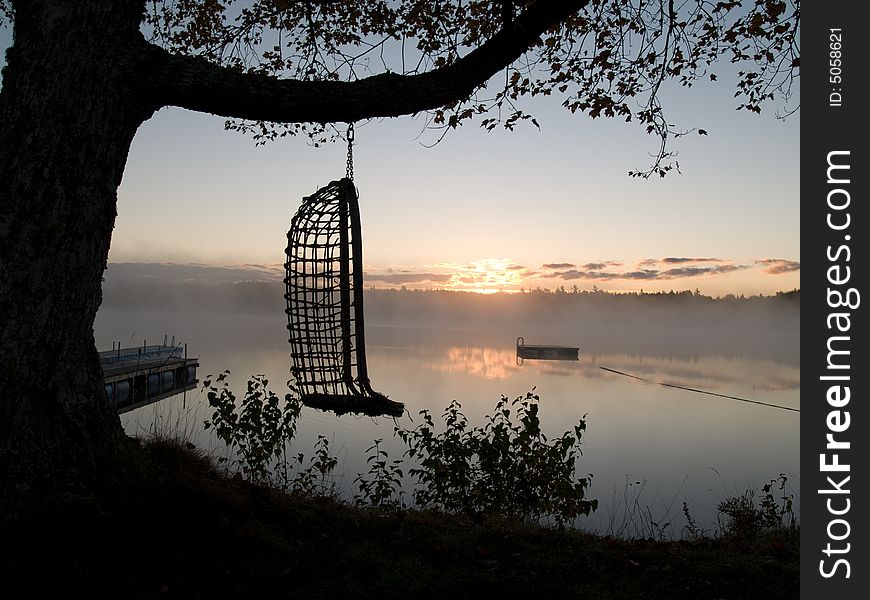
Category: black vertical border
<point>826,128</point>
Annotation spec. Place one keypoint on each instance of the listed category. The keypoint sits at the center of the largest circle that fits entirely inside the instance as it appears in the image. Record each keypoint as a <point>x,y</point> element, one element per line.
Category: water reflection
<point>488,363</point>
<point>685,446</point>
<point>713,373</point>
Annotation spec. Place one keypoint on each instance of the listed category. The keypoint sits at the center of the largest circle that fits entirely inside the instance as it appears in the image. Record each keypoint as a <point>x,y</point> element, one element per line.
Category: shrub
<point>743,519</point>
<point>507,467</point>
<point>381,487</point>
<point>315,479</point>
<point>259,428</point>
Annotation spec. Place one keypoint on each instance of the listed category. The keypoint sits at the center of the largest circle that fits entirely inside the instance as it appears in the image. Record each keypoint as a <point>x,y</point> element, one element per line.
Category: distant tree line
<point>268,297</point>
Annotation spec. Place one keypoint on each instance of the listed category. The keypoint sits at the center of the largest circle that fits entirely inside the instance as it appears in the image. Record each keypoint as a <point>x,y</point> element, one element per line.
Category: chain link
<point>350,137</point>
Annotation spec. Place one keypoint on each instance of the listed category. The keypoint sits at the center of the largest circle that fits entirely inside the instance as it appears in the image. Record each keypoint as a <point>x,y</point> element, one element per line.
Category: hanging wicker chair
<point>324,294</point>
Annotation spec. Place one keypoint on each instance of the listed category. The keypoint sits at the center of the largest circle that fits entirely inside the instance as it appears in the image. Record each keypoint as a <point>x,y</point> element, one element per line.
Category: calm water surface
<point>648,446</point>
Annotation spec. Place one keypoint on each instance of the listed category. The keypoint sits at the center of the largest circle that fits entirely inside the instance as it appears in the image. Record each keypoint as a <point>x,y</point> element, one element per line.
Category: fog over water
<point>428,348</point>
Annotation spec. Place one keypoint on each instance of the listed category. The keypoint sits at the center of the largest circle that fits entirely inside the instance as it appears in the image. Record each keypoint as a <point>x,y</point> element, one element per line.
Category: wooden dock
<point>139,376</point>
<point>545,352</point>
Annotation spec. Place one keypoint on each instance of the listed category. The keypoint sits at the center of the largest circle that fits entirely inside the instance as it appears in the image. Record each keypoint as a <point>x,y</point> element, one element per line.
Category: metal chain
<point>350,137</point>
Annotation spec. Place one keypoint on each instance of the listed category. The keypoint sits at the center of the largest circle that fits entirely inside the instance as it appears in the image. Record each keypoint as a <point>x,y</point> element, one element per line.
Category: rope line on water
<point>688,389</point>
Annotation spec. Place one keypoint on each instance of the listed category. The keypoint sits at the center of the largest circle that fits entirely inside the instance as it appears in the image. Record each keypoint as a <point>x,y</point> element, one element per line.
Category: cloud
<point>673,260</point>
<point>131,273</point>
<point>680,272</point>
<point>645,274</point>
<point>601,275</point>
<point>597,266</point>
<point>778,266</point>
<point>679,260</point>
<point>261,267</point>
<point>406,278</point>
<point>558,266</point>
<point>470,279</point>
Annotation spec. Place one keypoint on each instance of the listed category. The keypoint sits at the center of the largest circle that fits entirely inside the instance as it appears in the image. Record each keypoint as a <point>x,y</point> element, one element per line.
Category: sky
<point>488,211</point>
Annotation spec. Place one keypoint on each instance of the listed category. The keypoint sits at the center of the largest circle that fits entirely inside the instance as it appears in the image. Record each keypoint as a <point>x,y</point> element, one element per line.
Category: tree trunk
<point>69,108</point>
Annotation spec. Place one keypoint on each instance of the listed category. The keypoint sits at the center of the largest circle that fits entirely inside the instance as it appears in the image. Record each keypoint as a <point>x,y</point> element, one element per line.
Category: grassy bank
<point>175,526</point>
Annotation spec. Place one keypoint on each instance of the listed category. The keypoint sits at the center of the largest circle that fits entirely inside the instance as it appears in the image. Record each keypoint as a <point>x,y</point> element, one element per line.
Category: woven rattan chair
<point>324,294</point>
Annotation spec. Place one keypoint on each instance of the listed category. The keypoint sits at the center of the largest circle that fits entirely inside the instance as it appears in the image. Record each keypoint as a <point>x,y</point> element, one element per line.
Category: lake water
<point>649,447</point>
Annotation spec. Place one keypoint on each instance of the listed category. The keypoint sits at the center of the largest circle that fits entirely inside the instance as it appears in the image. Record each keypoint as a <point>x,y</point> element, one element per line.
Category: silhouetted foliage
<point>508,467</point>
<point>258,427</point>
<point>258,432</point>
<point>609,59</point>
<point>247,297</point>
<point>381,487</point>
<point>314,479</point>
<point>745,520</point>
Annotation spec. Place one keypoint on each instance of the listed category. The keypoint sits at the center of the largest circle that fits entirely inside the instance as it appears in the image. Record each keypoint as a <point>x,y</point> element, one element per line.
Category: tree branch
<point>196,84</point>
<point>6,13</point>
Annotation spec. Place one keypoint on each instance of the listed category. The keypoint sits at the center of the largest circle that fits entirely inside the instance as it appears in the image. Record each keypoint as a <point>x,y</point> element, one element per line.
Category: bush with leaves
<point>743,519</point>
<point>508,467</point>
<point>259,429</point>
<point>315,478</point>
<point>381,487</point>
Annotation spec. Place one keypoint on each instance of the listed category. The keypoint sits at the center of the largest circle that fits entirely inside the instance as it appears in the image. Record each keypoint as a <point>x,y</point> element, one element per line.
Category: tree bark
<point>68,113</point>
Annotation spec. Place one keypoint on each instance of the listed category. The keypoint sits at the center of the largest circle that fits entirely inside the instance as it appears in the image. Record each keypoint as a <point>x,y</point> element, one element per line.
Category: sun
<point>487,276</point>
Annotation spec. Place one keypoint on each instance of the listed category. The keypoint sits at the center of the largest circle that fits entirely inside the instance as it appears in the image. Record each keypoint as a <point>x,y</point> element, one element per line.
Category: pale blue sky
<point>195,193</point>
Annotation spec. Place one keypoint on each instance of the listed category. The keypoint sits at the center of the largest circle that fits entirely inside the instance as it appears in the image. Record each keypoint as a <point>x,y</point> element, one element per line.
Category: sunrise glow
<point>711,275</point>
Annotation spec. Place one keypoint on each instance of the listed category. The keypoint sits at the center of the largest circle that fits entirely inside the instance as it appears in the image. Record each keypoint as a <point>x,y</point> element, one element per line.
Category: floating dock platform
<point>135,377</point>
<point>546,352</point>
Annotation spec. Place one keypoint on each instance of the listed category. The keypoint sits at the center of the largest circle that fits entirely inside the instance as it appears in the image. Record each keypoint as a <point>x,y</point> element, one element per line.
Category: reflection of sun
<point>487,363</point>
